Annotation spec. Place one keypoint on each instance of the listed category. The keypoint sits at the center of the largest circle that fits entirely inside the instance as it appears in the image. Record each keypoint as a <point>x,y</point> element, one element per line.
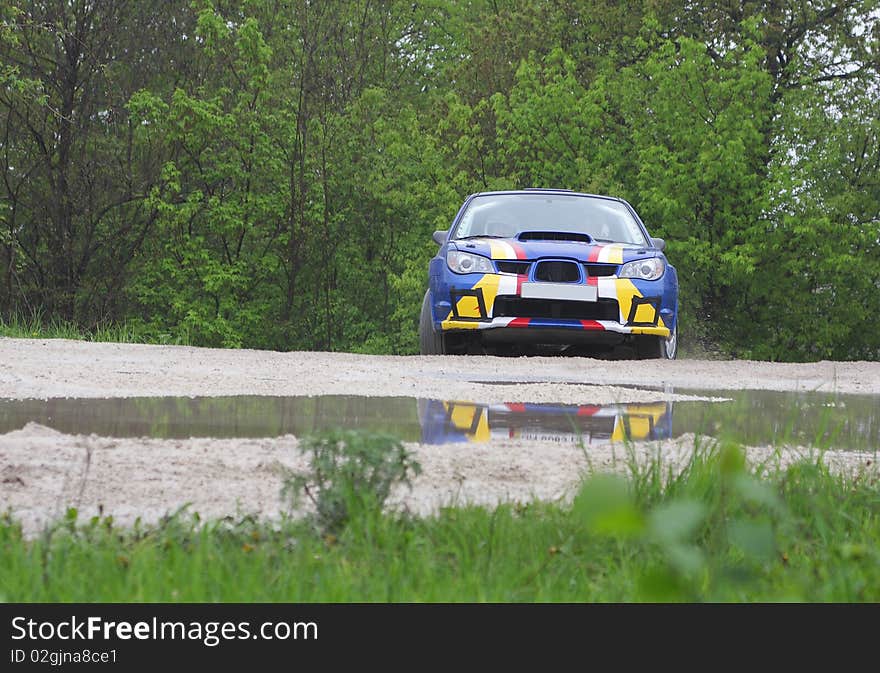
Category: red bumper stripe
<point>592,324</point>
<point>519,322</point>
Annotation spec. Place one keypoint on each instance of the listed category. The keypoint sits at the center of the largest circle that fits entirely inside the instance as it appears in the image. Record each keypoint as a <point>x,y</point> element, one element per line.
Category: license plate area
<point>564,291</point>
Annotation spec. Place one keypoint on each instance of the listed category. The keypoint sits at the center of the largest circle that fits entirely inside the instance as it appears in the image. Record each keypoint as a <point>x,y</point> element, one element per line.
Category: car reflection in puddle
<point>443,422</point>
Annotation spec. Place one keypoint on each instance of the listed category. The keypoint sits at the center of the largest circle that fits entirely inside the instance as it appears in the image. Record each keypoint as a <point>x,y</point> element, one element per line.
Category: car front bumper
<point>621,306</point>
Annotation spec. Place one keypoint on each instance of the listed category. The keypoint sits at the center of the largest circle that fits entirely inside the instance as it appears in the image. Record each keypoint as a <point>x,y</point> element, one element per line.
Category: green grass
<point>38,326</point>
<point>715,531</point>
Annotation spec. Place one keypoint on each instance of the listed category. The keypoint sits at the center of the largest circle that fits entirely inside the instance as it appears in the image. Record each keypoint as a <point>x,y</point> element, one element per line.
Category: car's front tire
<point>669,346</point>
<point>431,342</point>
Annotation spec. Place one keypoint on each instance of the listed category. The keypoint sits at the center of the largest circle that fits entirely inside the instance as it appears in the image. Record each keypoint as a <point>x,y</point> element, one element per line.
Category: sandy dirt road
<point>62,368</point>
<point>42,471</point>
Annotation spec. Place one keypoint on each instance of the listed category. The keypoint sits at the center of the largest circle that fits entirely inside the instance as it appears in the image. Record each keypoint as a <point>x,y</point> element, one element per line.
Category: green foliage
<point>264,175</point>
<point>350,475</point>
<point>37,325</point>
<point>713,530</point>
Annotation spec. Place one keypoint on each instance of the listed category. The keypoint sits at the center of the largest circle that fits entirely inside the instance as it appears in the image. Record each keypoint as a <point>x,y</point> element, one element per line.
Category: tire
<point>430,342</point>
<point>663,348</point>
<point>669,346</point>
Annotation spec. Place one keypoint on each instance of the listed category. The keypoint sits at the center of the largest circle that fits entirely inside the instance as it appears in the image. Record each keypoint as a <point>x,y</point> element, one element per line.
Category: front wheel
<point>430,341</point>
<point>669,345</point>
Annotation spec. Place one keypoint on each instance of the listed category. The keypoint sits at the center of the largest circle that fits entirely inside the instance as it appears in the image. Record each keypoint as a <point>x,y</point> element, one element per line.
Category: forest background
<point>268,173</point>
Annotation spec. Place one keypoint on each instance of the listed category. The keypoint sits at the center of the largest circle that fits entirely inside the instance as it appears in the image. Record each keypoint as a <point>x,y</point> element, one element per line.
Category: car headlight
<point>466,262</point>
<point>643,269</point>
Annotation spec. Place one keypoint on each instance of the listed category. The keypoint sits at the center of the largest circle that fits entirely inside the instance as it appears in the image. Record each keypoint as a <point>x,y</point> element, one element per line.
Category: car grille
<point>521,268</point>
<point>557,272</point>
<point>600,269</point>
<point>517,307</point>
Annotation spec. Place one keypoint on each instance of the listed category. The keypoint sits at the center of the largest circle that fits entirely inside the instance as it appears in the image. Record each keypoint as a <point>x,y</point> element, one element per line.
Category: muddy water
<point>751,417</point>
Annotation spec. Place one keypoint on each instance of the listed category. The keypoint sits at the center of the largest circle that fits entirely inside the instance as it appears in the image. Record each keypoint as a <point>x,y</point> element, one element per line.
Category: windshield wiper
<point>465,238</point>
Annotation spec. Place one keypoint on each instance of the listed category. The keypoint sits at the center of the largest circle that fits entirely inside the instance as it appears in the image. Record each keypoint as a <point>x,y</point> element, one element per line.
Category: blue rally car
<point>549,267</point>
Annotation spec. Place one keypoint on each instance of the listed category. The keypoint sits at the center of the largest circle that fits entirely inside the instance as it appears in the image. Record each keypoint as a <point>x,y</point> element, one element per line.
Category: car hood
<point>514,248</point>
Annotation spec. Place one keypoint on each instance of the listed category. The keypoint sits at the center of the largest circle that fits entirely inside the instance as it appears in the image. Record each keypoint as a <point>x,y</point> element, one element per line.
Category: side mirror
<point>659,243</point>
<point>440,237</point>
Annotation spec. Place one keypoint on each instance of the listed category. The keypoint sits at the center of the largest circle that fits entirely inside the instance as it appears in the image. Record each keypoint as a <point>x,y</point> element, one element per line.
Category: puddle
<point>236,416</point>
<point>751,417</point>
<point>755,417</point>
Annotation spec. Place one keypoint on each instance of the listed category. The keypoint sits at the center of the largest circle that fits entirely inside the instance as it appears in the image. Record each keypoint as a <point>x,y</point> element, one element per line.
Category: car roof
<point>546,190</point>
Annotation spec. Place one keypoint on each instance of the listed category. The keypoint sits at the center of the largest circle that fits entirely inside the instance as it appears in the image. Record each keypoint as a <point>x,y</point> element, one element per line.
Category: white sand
<point>43,472</point>
<point>63,368</point>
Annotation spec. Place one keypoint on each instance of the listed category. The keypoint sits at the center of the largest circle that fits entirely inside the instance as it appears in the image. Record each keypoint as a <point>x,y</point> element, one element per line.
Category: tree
<point>71,183</point>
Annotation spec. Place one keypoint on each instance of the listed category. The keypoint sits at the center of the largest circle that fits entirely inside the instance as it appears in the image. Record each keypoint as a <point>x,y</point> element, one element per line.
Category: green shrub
<point>350,472</point>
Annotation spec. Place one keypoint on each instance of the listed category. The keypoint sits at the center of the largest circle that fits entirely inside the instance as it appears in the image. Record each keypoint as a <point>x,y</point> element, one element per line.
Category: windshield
<point>508,215</point>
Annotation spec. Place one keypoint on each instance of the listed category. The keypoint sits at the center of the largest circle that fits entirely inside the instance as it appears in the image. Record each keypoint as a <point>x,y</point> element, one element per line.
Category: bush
<point>350,473</point>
